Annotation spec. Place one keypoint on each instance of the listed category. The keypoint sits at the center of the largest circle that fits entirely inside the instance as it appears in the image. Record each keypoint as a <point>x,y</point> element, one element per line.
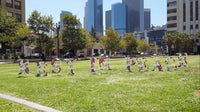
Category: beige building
<point>184,16</point>
<point>14,8</point>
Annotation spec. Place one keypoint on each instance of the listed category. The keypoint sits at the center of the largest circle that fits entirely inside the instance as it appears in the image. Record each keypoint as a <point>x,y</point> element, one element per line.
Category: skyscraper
<point>61,15</point>
<point>184,16</point>
<point>147,19</point>
<point>119,18</point>
<point>108,19</point>
<point>135,15</point>
<point>94,16</point>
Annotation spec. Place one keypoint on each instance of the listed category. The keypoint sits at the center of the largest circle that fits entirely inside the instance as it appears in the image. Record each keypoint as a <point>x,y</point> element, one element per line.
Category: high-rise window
<point>197,22</point>
<point>197,30</point>
<point>191,31</point>
<point>17,5</point>
<point>184,31</point>
<point>196,8</point>
<point>171,18</point>
<point>18,17</point>
<point>171,4</point>
<point>184,11</point>
<point>191,10</point>
<point>9,3</point>
<point>9,14</point>
<point>171,11</point>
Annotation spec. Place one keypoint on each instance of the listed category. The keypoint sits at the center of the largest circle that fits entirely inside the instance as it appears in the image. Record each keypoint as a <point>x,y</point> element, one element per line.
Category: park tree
<point>130,42</point>
<point>111,42</point>
<point>180,42</point>
<point>73,37</point>
<point>90,41</point>
<point>142,46</point>
<point>93,32</point>
<point>168,38</point>
<point>11,32</point>
<point>41,25</point>
<point>154,48</point>
<point>198,34</point>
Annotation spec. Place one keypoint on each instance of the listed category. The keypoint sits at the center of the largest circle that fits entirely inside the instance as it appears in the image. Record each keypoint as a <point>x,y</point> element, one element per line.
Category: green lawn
<point>6,106</point>
<point>114,90</point>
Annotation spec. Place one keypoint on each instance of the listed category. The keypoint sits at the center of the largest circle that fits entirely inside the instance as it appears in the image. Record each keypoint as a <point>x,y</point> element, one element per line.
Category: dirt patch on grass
<point>197,92</point>
<point>113,79</point>
<point>119,95</point>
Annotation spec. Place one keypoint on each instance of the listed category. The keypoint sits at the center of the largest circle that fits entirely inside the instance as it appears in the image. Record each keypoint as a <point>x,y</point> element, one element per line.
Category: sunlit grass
<point>6,106</point>
<point>114,90</point>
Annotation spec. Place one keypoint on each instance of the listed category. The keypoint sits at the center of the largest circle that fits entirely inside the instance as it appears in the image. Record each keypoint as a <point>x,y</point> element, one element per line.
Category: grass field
<point>114,90</point>
<point>6,106</point>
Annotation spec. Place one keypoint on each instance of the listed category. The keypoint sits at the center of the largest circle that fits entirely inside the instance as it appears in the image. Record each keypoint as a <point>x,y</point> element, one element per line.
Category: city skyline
<point>158,9</point>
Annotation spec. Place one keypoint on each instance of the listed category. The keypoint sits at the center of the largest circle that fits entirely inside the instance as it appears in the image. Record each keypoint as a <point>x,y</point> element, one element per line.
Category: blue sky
<point>54,7</point>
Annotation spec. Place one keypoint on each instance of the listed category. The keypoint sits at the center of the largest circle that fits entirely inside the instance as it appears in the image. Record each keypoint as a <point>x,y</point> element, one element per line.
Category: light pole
<point>57,48</point>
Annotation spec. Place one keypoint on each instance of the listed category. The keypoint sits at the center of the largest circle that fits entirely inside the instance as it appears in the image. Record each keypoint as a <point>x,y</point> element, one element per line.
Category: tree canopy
<point>73,37</point>
<point>130,42</point>
<point>111,42</point>
<point>142,46</point>
<point>11,32</point>
<point>41,25</point>
<point>179,41</point>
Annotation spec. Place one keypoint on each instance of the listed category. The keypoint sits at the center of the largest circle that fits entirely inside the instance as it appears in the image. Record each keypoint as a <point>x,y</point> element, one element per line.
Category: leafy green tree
<point>41,25</point>
<point>142,46</point>
<point>198,34</point>
<point>90,41</point>
<point>180,41</point>
<point>186,42</point>
<point>154,48</point>
<point>93,32</point>
<point>73,38</point>
<point>111,42</point>
<point>11,32</point>
<point>130,42</point>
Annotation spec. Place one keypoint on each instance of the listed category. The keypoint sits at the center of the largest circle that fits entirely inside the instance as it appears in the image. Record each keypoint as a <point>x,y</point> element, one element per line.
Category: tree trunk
<point>13,53</point>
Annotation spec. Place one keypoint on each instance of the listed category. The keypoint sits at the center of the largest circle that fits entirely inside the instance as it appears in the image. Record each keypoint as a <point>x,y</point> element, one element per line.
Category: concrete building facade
<point>119,18</point>
<point>13,8</point>
<point>108,19</point>
<point>135,15</point>
<point>156,36</point>
<point>184,16</point>
<point>147,19</point>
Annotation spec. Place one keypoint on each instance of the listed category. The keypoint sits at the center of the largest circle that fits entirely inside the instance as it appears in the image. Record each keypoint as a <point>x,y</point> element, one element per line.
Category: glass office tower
<point>119,18</point>
<point>94,16</point>
<point>135,15</point>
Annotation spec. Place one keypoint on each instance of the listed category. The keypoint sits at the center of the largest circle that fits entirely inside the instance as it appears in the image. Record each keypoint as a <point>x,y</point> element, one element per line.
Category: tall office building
<point>135,15</point>
<point>108,19</point>
<point>61,15</point>
<point>147,19</point>
<point>119,18</point>
<point>94,16</point>
<point>184,16</point>
<point>14,8</point>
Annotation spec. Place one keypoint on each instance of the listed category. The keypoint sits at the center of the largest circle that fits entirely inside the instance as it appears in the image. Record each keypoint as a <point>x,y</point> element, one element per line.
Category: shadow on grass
<point>22,77</point>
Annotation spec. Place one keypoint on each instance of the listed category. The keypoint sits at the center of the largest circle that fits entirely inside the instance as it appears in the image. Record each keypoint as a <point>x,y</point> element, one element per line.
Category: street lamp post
<point>57,48</point>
